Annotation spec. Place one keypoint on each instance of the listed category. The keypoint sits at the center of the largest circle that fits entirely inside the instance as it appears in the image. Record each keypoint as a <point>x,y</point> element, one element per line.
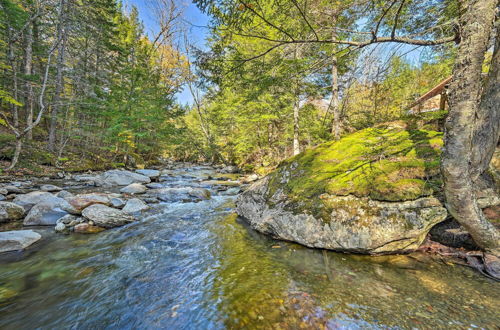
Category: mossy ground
<point>390,162</point>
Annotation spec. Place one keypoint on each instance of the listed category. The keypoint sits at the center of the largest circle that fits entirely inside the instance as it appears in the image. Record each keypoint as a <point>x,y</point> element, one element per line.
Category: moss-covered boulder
<point>374,191</point>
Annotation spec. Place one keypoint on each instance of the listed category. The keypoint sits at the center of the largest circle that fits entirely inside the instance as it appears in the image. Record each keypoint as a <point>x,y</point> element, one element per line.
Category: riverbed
<point>196,265</point>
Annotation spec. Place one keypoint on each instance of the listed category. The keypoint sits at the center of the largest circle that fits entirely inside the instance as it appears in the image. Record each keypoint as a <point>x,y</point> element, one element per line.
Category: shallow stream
<point>197,266</point>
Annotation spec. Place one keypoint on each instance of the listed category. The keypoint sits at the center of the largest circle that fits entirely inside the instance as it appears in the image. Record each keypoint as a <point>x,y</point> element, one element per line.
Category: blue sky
<point>195,20</point>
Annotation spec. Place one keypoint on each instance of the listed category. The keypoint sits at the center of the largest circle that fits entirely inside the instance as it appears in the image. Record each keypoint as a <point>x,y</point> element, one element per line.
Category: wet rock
<point>352,224</point>
<point>154,185</point>
<point>200,193</point>
<point>170,194</point>
<point>232,191</point>
<point>86,228</point>
<point>2,198</point>
<point>14,190</point>
<point>4,191</point>
<point>47,213</point>
<point>93,180</point>
<point>134,188</point>
<point>30,199</point>
<point>50,188</point>
<point>149,173</point>
<point>117,202</point>
<point>82,201</point>
<point>123,178</point>
<point>60,227</point>
<point>150,200</point>
<point>17,239</point>
<point>135,205</point>
<point>251,178</point>
<point>64,194</point>
<point>106,217</point>
<point>10,211</point>
<point>69,219</point>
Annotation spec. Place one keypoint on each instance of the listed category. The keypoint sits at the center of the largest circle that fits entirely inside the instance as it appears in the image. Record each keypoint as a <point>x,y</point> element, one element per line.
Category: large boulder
<point>28,200</point>
<point>47,213</point>
<point>10,212</point>
<point>123,178</point>
<point>17,240</point>
<point>106,217</point>
<point>372,192</point>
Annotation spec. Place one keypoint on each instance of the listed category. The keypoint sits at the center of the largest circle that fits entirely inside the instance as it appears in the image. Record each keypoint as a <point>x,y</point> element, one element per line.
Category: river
<point>198,266</point>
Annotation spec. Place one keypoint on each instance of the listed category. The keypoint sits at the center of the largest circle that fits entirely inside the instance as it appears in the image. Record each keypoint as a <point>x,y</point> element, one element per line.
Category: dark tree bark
<point>465,90</point>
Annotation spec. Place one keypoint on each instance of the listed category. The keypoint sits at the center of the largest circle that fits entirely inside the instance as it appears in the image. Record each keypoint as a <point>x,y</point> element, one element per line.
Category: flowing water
<point>197,266</point>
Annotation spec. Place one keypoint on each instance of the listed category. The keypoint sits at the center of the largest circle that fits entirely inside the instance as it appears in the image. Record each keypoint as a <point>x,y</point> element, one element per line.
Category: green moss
<point>390,162</point>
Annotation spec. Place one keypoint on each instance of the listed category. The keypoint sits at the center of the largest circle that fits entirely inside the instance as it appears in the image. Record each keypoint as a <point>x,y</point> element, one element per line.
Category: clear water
<point>197,266</point>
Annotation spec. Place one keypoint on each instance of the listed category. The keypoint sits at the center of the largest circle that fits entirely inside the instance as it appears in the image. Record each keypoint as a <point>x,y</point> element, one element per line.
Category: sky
<point>195,20</point>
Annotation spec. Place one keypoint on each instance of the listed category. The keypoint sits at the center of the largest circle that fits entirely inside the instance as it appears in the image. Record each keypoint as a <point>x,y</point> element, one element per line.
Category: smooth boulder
<point>149,173</point>
<point>82,201</point>
<point>10,212</point>
<point>27,201</point>
<point>123,178</point>
<point>17,239</point>
<point>47,213</point>
<point>106,217</point>
<point>50,188</point>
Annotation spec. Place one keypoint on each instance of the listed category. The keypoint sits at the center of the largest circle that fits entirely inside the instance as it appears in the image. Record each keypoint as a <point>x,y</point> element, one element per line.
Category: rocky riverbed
<point>189,262</point>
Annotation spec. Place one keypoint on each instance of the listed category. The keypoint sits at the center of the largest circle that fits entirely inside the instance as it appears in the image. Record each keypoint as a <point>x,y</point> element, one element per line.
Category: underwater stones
<point>106,217</point>
<point>17,239</point>
<point>10,211</point>
<point>86,228</point>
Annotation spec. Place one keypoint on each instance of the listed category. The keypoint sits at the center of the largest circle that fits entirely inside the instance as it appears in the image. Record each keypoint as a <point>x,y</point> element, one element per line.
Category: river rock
<point>82,201</point>
<point>200,193</point>
<point>2,198</point>
<point>50,188</point>
<point>117,202</point>
<point>4,191</point>
<point>155,185</point>
<point>30,199</point>
<point>60,227</point>
<point>17,239</point>
<point>69,219</point>
<point>170,194</point>
<point>10,211</point>
<point>134,188</point>
<point>123,178</point>
<point>365,193</point>
<point>14,190</point>
<point>149,173</point>
<point>86,228</point>
<point>135,205</point>
<point>47,213</point>
<point>106,217</point>
<point>230,169</point>
<point>64,194</point>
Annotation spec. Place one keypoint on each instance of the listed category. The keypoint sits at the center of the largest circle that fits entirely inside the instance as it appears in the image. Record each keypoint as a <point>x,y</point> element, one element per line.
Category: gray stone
<point>135,205</point>
<point>4,191</point>
<point>10,211</point>
<point>64,194</point>
<point>230,169</point>
<point>134,188</point>
<point>123,178</point>
<point>117,203</point>
<point>2,198</point>
<point>68,218</point>
<point>359,225</point>
<point>14,190</point>
<point>28,200</point>
<point>17,239</point>
<point>47,213</point>
<point>200,193</point>
<point>149,173</point>
<point>50,188</point>
<point>106,217</point>
<point>60,227</point>
<point>155,185</point>
<point>151,200</point>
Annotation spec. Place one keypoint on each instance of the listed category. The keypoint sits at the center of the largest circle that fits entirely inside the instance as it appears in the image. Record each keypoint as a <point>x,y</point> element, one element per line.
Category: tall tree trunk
<point>487,126</point>
<point>61,31</point>
<point>465,89</point>
<point>17,152</point>
<point>335,87</point>
<point>28,71</point>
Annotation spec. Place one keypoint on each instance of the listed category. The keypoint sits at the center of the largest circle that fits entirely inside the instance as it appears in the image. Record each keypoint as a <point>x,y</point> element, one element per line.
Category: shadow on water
<point>198,266</point>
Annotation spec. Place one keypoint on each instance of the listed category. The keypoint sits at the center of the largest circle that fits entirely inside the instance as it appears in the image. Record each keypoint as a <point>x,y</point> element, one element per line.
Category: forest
<point>359,126</point>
